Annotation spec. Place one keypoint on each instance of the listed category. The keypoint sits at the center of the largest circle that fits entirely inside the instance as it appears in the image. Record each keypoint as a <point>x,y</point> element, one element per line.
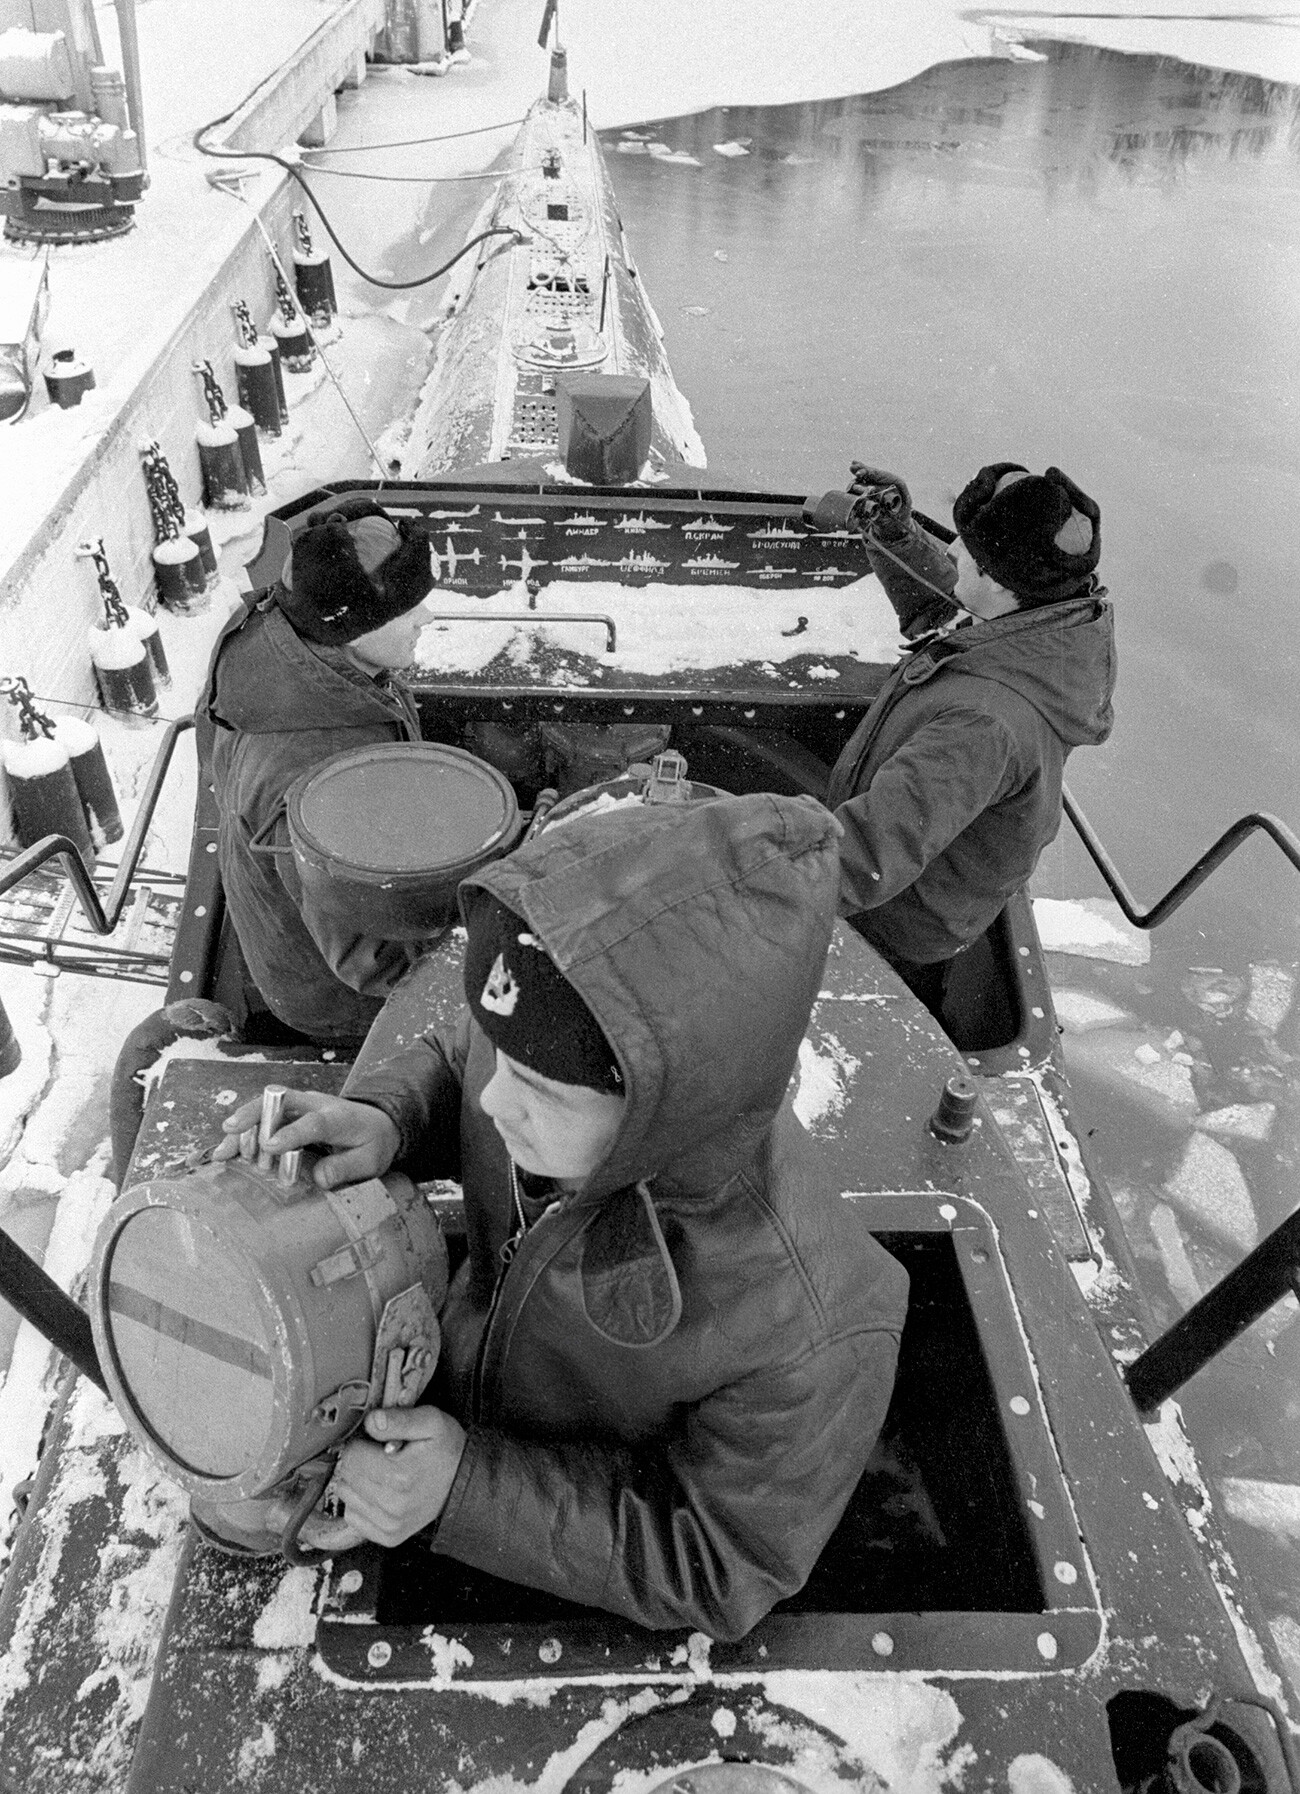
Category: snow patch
<point>289,1617</point>
<point>255,1751</point>
<point>666,628</point>
<point>274,1671</point>
<point>824,1079</point>
<point>447,1654</point>
<point>893,1727</point>
<point>1037,1775</point>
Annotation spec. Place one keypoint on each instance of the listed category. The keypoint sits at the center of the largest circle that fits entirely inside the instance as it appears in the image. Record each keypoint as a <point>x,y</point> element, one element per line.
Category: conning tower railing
<point>1192,880</point>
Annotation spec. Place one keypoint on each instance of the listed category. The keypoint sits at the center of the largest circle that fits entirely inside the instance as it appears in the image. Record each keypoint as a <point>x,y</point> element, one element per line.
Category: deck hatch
<point>959,1549</point>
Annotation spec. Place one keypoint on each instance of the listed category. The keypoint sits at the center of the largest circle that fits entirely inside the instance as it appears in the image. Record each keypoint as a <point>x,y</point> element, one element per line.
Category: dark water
<point>1092,261</point>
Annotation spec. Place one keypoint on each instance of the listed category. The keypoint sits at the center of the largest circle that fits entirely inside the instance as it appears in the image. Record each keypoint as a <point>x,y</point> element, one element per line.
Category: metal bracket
<point>348,1261</point>
<point>406,1349</point>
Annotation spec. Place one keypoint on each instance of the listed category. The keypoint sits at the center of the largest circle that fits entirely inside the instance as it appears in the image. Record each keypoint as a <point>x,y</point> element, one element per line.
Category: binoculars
<point>833,511</point>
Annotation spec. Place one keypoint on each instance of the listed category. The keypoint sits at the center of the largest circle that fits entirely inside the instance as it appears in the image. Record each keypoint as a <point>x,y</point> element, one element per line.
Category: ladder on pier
<point>42,925</point>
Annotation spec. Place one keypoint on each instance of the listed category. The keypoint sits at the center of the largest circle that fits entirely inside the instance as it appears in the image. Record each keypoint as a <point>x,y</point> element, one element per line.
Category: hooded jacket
<point>276,707</point>
<point>950,787</point>
<point>673,1385</point>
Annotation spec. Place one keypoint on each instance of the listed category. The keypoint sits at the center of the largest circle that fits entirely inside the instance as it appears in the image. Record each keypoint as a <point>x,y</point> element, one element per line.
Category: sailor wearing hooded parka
<point>664,1382</point>
<point>301,675</point>
<point>950,787</point>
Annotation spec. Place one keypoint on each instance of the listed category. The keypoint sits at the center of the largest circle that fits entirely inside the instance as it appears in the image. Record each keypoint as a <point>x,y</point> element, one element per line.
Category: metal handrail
<point>103,916</point>
<point>1194,877</point>
<point>1267,1273</point>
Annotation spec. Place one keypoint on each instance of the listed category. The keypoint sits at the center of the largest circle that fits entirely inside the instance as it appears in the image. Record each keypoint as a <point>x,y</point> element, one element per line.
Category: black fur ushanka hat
<point>1038,535</point>
<point>352,570</point>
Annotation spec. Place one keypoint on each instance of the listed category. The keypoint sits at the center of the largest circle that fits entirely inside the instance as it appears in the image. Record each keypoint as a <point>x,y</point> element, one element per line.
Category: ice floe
<point>1210,1189</point>
<point>1092,928</point>
<point>1271,993</point>
<point>1271,1506</point>
<point>1079,1011</point>
<point>1214,991</point>
<point>1130,1064</point>
<point>1179,1270</point>
<point>1239,1121</point>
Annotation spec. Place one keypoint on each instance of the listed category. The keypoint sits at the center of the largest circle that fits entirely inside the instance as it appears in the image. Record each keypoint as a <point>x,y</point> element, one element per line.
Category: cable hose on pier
<point>289,168</point>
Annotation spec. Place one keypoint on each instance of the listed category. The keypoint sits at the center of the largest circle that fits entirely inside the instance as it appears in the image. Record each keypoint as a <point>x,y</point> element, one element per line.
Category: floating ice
<point>1209,1188</point>
<point>1239,1121</point>
<point>1271,992</point>
<point>1121,1058</point>
<point>1286,1636</point>
<point>1273,1507</point>
<point>1078,1011</point>
<point>1213,990</point>
<point>731,149</point>
<point>1179,1271</point>
<point>1092,928</point>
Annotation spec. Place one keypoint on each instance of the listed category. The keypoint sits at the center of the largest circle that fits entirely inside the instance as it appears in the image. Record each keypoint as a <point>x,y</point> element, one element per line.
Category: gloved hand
<point>885,504</point>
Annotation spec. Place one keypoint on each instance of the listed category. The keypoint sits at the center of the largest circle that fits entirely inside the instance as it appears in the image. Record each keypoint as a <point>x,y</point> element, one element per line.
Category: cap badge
<point>501,992</point>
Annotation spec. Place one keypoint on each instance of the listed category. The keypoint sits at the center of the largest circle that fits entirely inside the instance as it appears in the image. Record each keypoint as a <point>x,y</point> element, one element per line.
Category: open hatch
<point>958,1550</point>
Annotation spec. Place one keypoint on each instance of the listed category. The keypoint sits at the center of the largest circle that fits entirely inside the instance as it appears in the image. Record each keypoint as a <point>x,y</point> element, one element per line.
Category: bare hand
<point>389,1496</point>
<point>362,1140</point>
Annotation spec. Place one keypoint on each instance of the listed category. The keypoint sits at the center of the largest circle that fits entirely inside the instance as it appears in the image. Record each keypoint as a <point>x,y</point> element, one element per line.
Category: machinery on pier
<point>71,128</point>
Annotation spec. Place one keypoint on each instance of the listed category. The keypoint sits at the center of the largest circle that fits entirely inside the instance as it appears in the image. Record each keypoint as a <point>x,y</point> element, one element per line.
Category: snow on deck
<point>664,628</point>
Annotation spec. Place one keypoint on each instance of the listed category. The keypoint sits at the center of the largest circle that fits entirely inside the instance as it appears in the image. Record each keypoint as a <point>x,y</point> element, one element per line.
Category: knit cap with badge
<point>1039,535</point>
<point>526,1006</point>
<point>352,570</point>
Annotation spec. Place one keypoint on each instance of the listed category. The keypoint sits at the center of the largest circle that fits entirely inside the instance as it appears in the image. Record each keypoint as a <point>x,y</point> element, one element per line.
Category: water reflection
<point>1091,260</point>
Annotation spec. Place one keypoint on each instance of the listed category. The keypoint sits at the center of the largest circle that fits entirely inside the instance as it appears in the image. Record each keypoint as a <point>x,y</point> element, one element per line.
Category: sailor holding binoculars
<point>950,787</point>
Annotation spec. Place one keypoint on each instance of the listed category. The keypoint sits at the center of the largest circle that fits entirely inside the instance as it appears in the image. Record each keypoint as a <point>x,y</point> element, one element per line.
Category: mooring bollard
<point>94,783</point>
<point>297,351</point>
<point>122,671</point>
<point>172,519</point>
<point>271,343</point>
<point>255,379</point>
<point>313,276</point>
<point>11,1053</point>
<point>255,384</point>
<point>146,628</point>
<point>196,528</point>
<point>177,563</point>
<point>68,380</point>
<point>245,427</point>
<point>42,788</point>
<point>225,482</point>
<point>121,660</point>
<point>178,573</point>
